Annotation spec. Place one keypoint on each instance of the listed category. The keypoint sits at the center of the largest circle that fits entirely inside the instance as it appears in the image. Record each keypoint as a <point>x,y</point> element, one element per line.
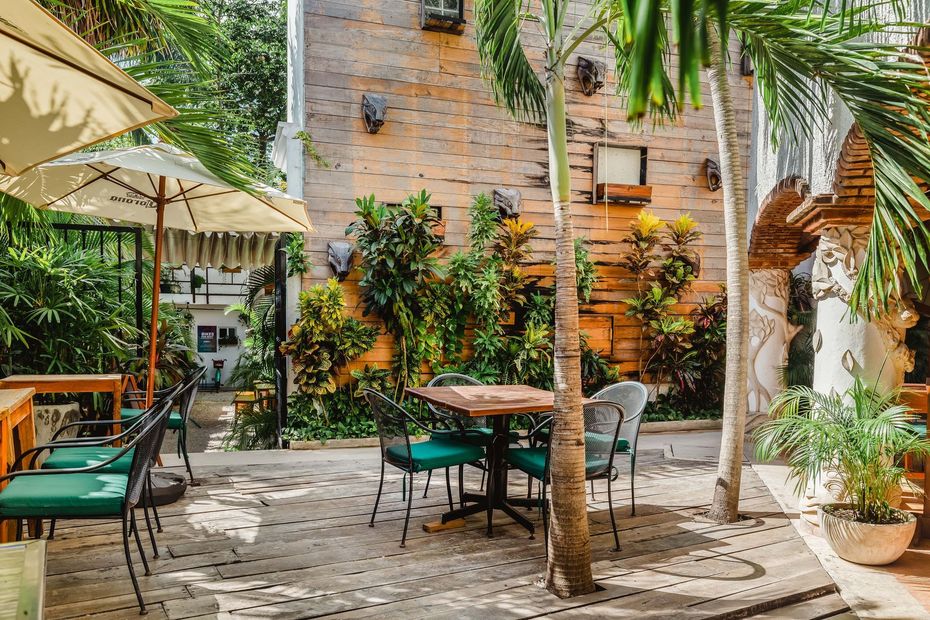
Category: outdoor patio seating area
<point>288,537</point>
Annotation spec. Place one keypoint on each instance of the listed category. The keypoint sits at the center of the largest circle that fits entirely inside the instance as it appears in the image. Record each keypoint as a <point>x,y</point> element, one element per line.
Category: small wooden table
<point>22,580</point>
<point>499,402</point>
<point>65,384</point>
<point>17,434</point>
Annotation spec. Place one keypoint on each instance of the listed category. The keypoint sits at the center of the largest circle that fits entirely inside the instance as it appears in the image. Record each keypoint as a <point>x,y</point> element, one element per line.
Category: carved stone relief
<point>769,334</point>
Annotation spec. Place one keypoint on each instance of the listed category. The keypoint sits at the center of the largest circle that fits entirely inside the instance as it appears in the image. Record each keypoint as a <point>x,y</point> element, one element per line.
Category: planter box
<point>680,426</point>
<point>358,442</point>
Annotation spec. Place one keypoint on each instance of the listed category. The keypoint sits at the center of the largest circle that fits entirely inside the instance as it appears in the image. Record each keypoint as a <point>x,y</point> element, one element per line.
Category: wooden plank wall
<point>444,133</point>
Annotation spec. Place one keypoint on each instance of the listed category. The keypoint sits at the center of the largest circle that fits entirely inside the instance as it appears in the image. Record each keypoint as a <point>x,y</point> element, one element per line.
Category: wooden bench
<point>17,434</point>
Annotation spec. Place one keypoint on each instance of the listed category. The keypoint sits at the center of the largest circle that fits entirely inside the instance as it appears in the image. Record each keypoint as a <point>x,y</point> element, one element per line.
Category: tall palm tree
<point>795,49</point>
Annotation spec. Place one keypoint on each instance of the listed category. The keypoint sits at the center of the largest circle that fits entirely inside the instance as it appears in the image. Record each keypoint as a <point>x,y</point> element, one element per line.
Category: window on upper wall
<point>443,15</point>
<point>620,174</point>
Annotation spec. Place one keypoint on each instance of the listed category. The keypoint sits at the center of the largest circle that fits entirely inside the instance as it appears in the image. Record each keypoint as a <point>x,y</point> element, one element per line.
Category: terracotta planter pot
<point>866,543</point>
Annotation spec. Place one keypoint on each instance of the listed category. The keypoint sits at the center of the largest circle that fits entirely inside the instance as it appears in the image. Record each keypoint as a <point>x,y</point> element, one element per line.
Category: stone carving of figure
<point>374,108</point>
<point>507,202</point>
<point>340,258</point>
<point>591,74</point>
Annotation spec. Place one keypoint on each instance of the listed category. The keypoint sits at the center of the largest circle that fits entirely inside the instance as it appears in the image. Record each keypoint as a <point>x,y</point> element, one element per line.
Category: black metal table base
<point>496,497</point>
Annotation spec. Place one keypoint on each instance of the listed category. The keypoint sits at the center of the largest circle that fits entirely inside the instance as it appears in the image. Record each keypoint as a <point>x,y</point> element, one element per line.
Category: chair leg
<point>545,517</point>
<point>132,570</point>
<point>633,485</point>
<point>19,530</point>
<point>135,533</point>
<point>51,529</point>
<point>154,507</point>
<point>483,474</point>
<point>403,538</point>
<point>613,519</point>
<point>378,497</point>
<point>187,460</point>
<point>593,499</point>
<point>490,494</point>
<point>429,476</point>
<point>449,490</point>
<point>148,526</point>
<point>461,486</point>
<point>529,490</point>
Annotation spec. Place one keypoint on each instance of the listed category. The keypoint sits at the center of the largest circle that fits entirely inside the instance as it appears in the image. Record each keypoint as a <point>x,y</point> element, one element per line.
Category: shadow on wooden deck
<point>291,540</point>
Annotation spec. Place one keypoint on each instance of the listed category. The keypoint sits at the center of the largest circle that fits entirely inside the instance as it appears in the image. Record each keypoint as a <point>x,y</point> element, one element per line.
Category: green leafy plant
<point>255,428</point>
<point>397,246</point>
<point>858,435</point>
<point>799,369</point>
<point>324,339</point>
<point>59,312</point>
<point>298,261</point>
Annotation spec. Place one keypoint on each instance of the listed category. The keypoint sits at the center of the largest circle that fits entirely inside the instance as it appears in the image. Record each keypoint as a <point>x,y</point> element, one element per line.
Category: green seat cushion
<point>428,455</point>
<point>476,436</point>
<point>73,458</point>
<point>175,422</point>
<point>533,462</point>
<point>919,428</point>
<point>623,445</point>
<point>64,495</point>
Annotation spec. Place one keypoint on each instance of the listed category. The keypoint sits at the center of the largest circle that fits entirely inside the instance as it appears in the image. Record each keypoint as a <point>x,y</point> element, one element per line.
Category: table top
<point>11,400</point>
<point>65,383</point>
<point>482,400</point>
<point>22,579</point>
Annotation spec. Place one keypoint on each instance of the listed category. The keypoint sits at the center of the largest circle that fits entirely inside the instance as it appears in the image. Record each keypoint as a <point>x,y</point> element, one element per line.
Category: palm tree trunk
<point>568,571</point>
<point>725,507</point>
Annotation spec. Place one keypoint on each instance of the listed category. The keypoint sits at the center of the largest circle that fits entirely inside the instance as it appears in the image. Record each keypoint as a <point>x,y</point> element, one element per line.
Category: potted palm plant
<point>859,438</point>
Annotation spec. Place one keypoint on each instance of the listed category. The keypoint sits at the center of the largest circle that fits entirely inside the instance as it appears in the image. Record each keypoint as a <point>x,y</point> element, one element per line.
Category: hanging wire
<point>604,99</point>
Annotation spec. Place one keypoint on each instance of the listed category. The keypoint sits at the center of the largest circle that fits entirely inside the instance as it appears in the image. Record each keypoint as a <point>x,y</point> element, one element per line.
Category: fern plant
<point>859,435</point>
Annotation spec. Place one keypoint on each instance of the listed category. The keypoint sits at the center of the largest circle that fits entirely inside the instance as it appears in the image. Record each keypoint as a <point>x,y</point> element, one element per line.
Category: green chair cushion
<point>919,428</point>
<point>476,436</point>
<point>428,455</point>
<point>175,422</point>
<point>532,461</point>
<point>73,458</point>
<point>623,445</point>
<point>64,495</point>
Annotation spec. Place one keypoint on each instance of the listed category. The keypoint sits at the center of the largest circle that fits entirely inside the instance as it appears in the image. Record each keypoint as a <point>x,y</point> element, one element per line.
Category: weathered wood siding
<point>444,133</point>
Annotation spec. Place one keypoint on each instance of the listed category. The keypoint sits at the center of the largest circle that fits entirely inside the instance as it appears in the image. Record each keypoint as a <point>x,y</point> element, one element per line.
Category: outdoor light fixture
<point>443,15</point>
<point>374,108</point>
<point>712,170</point>
<point>591,73</point>
<point>507,202</point>
<point>340,258</point>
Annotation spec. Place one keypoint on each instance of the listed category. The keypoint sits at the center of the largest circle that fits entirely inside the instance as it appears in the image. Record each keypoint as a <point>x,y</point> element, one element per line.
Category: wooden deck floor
<point>292,541</point>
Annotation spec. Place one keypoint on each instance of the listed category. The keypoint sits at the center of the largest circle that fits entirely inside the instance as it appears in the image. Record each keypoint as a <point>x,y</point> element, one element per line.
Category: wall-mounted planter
<point>626,194</point>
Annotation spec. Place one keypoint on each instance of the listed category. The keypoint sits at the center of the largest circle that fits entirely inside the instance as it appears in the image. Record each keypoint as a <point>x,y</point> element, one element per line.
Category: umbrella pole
<point>156,289</point>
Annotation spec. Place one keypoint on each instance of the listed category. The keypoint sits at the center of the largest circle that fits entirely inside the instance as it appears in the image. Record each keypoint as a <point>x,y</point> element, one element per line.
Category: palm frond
<point>886,92</point>
<point>504,63</point>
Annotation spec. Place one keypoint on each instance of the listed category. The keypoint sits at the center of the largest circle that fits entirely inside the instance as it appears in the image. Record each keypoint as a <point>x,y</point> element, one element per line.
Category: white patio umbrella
<point>161,186</point>
<point>57,93</point>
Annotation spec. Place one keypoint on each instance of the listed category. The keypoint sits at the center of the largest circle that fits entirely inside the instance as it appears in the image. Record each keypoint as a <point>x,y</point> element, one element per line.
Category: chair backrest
<point>391,421</point>
<point>146,445</point>
<point>189,393</point>
<point>602,421</point>
<point>632,396</point>
<point>449,379</point>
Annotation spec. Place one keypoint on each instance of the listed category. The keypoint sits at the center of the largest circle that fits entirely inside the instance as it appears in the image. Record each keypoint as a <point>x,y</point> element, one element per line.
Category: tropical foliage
<point>858,435</point>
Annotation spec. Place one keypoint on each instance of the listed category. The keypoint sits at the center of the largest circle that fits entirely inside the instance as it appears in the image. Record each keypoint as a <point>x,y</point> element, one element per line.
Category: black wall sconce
<point>443,15</point>
<point>507,202</point>
<point>374,108</point>
<point>340,258</point>
<point>591,73</point>
<point>712,170</point>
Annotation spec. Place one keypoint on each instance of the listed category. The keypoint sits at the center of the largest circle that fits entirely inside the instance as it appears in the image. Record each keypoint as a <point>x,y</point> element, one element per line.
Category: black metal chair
<point>91,492</point>
<point>632,396</point>
<point>179,419</point>
<point>473,430</point>
<point>398,451</point>
<point>602,420</point>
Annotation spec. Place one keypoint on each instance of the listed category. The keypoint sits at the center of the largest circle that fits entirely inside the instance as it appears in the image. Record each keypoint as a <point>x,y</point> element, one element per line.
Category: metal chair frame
<point>401,418</point>
<point>630,428</point>
<point>144,445</point>
<point>607,472</point>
